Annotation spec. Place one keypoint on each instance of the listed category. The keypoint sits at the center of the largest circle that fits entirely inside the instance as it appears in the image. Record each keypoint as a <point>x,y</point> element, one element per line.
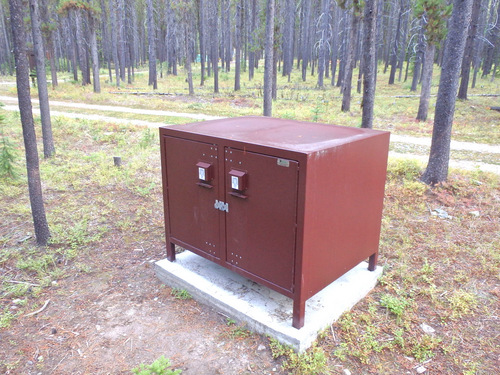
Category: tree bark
<point>323,42</point>
<point>425,94</point>
<point>42,232</point>
<point>151,45</point>
<point>288,29</point>
<point>395,47</point>
<point>349,64</point>
<point>43,95</point>
<point>237,44</point>
<point>94,53</point>
<point>268,65</point>
<point>50,43</point>
<point>437,167</point>
<point>469,48</point>
<point>251,54</point>
<point>369,62</point>
<point>114,42</point>
<point>201,35</point>
<point>305,44</point>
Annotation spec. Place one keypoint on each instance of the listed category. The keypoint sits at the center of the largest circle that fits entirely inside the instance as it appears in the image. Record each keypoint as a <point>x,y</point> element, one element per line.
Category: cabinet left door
<point>190,170</point>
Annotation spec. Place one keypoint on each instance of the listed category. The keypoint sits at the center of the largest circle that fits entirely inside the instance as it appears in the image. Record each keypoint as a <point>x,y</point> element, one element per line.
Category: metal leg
<point>171,251</point>
<point>372,262</point>
<point>299,310</point>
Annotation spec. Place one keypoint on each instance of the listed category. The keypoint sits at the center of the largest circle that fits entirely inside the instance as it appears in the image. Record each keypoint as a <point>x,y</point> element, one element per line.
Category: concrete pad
<point>263,310</point>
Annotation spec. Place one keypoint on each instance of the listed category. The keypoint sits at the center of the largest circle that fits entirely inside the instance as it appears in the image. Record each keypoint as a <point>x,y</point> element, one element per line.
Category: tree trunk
<point>419,56</point>
<point>305,44</point>
<point>395,47</point>
<point>214,44</point>
<point>114,43</point>
<point>492,36</point>
<point>94,53</point>
<point>201,35</point>
<point>288,27</point>
<point>349,64</point>
<point>237,44</point>
<point>469,48</point>
<point>43,95</point>
<point>323,42</point>
<point>425,94</point>
<point>151,45</point>
<point>437,167</point>
<point>42,232</point>
<point>121,34</point>
<point>369,62</point>
<point>44,14</point>
<point>253,26</point>
<point>268,65</point>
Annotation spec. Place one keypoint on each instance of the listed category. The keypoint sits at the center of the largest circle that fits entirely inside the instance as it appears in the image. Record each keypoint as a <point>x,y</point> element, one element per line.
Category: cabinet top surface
<point>278,133</point>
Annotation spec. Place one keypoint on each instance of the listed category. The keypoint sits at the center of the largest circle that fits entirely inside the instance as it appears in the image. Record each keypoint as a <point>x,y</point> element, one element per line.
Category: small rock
<point>54,283</point>
<point>53,331</point>
<point>421,369</point>
<point>474,213</point>
<point>261,347</point>
<point>427,329</point>
<point>98,327</point>
<point>347,372</point>
<point>17,301</point>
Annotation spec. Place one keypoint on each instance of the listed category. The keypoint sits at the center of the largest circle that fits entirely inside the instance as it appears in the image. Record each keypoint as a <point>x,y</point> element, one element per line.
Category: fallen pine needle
<point>39,310</point>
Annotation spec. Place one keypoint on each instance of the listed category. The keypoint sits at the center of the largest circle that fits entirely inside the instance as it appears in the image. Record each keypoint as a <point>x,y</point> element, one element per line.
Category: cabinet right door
<point>262,215</point>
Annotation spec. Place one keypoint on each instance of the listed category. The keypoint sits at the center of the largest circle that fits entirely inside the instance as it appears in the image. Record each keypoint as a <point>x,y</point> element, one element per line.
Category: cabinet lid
<point>285,134</point>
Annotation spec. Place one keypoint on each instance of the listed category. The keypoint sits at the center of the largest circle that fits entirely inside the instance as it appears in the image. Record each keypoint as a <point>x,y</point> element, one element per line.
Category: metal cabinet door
<point>261,221</point>
<point>191,215</point>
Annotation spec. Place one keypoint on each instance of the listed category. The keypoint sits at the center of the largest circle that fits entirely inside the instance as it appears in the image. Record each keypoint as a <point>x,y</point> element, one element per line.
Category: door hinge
<point>221,206</point>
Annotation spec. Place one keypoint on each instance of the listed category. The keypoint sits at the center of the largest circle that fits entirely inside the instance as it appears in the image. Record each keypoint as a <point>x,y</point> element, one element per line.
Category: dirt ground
<point>111,320</point>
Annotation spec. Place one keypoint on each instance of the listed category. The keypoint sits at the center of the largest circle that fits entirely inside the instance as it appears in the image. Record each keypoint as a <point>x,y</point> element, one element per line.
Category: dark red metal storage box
<point>291,205</point>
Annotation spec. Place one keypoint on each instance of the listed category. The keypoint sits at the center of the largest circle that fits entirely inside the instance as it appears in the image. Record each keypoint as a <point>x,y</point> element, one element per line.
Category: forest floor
<point>90,303</point>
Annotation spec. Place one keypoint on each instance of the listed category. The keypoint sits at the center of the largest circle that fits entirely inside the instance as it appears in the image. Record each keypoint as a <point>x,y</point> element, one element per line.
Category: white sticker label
<point>234,183</point>
<point>201,173</point>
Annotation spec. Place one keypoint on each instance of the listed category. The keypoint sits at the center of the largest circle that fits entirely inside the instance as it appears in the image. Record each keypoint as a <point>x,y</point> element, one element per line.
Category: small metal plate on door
<point>283,162</point>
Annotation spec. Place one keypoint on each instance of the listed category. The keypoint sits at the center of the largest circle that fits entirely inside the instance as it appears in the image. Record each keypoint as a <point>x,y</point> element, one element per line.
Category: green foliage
<point>8,156</point>
<point>159,367</point>
<point>462,303</point>
<point>408,169</point>
<point>181,294</point>
<point>6,316</point>
<point>396,305</point>
<point>436,14</point>
<point>311,362</point>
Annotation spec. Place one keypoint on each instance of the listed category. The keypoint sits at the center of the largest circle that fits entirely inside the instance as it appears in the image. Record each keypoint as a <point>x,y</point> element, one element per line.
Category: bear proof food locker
<point>291,205</point>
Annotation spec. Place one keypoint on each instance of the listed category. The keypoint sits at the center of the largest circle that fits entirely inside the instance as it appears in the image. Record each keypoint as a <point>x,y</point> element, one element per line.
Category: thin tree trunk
<point>323,42</point>
<point>95,56</point>
<point>43,95</point>
<point>349,65</point>
<point>251,55</point>
<point>425,94</point>
<point>268,65</point>
<point>437,167</point>
<point>469,48</point>
<point>151,46</point>
<point>114,43</point>
<point>369,63</point>
<point>237,42</point>
<point>395,47</point>
<point>42,232</point>
<point>201,30</point>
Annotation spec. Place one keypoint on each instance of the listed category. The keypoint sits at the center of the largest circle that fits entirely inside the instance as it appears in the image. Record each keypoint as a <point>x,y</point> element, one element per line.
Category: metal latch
<point>221,206</point>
